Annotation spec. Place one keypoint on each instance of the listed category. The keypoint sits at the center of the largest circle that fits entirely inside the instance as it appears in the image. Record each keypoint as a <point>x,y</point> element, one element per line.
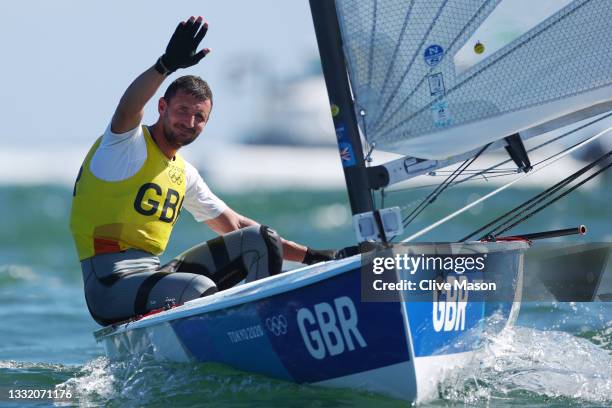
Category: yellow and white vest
<point>138,212</point>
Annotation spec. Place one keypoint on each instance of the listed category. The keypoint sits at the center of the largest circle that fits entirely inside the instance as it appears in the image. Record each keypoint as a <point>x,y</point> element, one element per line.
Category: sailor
<point>132,186</point>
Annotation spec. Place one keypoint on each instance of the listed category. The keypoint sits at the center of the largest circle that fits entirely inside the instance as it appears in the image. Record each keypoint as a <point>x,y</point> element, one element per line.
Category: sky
<point>65,63</point>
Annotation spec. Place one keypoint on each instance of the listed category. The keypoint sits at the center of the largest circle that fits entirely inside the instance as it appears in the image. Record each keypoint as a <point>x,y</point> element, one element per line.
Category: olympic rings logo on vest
<point>176,174</point>
<point>277,325</point>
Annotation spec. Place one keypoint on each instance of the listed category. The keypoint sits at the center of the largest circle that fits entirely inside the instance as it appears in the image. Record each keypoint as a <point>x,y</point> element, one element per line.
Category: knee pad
<point>260,250</point>
<point>199,286</point>
<point>275,249</point>
<point>250,253</point>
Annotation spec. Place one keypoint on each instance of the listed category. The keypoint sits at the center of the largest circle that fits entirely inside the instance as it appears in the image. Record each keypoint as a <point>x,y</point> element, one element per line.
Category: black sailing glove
<point>181,51</point>
<point>314,256</point>
<point>346,252</point>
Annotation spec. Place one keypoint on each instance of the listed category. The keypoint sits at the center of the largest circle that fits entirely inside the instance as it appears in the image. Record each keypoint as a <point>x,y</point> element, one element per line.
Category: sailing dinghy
<point>409,77</point>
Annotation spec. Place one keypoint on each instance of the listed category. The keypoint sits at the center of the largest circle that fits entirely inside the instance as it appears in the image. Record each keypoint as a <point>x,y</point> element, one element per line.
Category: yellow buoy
<point>479,48</point>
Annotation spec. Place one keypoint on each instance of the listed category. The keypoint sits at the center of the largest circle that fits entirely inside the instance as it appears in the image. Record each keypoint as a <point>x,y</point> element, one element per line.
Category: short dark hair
<point>192,85</point>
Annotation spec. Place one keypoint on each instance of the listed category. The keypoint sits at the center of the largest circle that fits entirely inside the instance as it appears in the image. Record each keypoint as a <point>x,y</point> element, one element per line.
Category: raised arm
<point>130,110</point>
<point>181,52</point>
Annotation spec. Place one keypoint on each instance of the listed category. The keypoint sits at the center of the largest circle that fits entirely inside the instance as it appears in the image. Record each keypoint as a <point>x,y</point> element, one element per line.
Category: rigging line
<point>548,158</point>
<point>509,172</point>
<point>519,210</point>
<point>380,114</point>
<point>415,202</point>
<point>606,167</point>
<point>575,130</point>
<point>539,147</point>
<point>367,161</point>
<point>503,172</point>
<point>482,173</point>
<point>443,186</point>
<point>379,118</point>
<point>371,59</point>
<point>533,201</point>
<point>507,52</point>
<point>496,174</point>
<point>414,188</point>
<point>410,204</point>
<point>547,194</point>
<point>433,195</point>
<point>440,173</point>
<point>363,136</point>
<point>569,132</point>
<point>500,189</point>
<point>368,156</point>
<point>456,183</point>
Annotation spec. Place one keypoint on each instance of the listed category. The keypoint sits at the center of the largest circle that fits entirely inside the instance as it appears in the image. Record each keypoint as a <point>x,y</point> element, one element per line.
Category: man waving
<point>130,191</point>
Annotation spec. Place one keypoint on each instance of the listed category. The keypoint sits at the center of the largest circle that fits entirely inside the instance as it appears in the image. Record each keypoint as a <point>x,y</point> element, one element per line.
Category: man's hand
<point>314,256</point>
<point>181,51</point>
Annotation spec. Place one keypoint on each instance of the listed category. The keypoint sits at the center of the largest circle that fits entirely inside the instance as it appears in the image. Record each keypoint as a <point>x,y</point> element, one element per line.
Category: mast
<point>329,41</point>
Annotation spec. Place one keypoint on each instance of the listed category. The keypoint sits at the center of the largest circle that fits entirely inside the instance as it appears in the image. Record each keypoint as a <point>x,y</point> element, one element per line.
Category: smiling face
<point>183,118</point>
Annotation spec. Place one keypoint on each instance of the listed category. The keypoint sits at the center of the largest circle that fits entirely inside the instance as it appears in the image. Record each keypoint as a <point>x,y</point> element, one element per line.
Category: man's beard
<point>174,139</point>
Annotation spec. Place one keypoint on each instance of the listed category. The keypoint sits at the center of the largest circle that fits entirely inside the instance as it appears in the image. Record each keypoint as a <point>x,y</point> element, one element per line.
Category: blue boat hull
<point>310,326</point>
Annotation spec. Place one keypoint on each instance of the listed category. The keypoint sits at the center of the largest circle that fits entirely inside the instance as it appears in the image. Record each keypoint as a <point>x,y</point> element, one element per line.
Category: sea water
<point>557,355</point>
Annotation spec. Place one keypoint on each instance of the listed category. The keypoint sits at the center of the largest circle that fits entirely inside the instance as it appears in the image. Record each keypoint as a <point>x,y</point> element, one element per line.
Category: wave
<point>141,381</point>
<point>535,368</point>
<point>17,273</point>
<point>543,367</point>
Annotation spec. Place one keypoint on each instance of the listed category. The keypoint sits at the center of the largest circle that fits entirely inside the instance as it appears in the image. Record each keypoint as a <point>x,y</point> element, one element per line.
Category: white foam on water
<point>546,364</point>
<point>142,381</point>
<point>26,365</point>
<point>18,273</point>
<point>93,382</point>
<point>519,364</point>
<point>604,339</point>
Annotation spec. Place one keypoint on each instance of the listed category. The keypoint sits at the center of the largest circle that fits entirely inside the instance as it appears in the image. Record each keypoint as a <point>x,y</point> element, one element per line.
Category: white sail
<point>413,99</point>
